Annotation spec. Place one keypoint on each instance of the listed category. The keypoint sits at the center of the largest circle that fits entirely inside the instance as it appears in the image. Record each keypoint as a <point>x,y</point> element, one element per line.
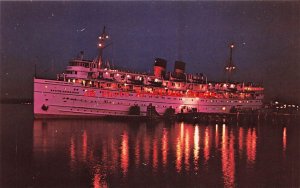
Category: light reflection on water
<point>284,138</point>
<point>95,153</point>
<point>114,153</point>
<point>124,153</point>
<point>196,147</point>
<point>228,161</point>
<point>251,146</point>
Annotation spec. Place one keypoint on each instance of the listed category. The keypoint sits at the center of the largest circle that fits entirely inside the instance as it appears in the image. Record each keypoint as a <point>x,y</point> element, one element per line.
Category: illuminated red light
<point>90,93</point>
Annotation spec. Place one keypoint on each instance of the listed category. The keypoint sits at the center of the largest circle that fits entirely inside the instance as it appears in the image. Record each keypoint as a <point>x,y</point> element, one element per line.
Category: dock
<point>237,117</point>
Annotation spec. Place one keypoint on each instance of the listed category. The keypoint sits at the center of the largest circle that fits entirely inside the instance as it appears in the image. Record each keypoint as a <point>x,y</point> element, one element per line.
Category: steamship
<point>92,88</point>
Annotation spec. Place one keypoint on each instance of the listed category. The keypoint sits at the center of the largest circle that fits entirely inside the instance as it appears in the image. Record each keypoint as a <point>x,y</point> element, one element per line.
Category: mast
<point>230,67</point>
<point>101,45</point>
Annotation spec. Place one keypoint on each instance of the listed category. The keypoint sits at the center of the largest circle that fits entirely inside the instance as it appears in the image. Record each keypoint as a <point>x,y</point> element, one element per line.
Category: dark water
<point>95,153</point>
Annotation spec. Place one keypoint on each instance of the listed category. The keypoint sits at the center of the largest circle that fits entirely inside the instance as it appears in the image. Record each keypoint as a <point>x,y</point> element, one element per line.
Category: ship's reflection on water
<point>112,154</point>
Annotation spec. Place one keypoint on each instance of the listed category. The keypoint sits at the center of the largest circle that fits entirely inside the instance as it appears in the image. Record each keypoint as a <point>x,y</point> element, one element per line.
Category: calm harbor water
<point>98,153</point>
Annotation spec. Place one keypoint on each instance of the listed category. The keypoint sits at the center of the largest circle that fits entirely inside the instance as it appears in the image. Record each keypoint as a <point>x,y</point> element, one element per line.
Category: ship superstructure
<point>90,88</point>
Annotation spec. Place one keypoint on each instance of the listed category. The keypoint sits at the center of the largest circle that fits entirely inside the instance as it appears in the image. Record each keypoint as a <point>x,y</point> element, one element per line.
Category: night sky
<point>49,34</point>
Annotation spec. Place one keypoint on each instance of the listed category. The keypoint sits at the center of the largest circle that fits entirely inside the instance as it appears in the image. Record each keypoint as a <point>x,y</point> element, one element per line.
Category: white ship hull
<point>60,98</point>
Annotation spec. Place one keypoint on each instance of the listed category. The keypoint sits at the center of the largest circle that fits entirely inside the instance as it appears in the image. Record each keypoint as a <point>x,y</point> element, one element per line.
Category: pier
<point>234,118</point>
<point>238,118</point>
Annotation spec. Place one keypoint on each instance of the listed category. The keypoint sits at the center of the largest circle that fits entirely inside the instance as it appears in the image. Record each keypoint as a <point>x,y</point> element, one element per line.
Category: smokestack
<point>159,68</point>
<point>179,67</point>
